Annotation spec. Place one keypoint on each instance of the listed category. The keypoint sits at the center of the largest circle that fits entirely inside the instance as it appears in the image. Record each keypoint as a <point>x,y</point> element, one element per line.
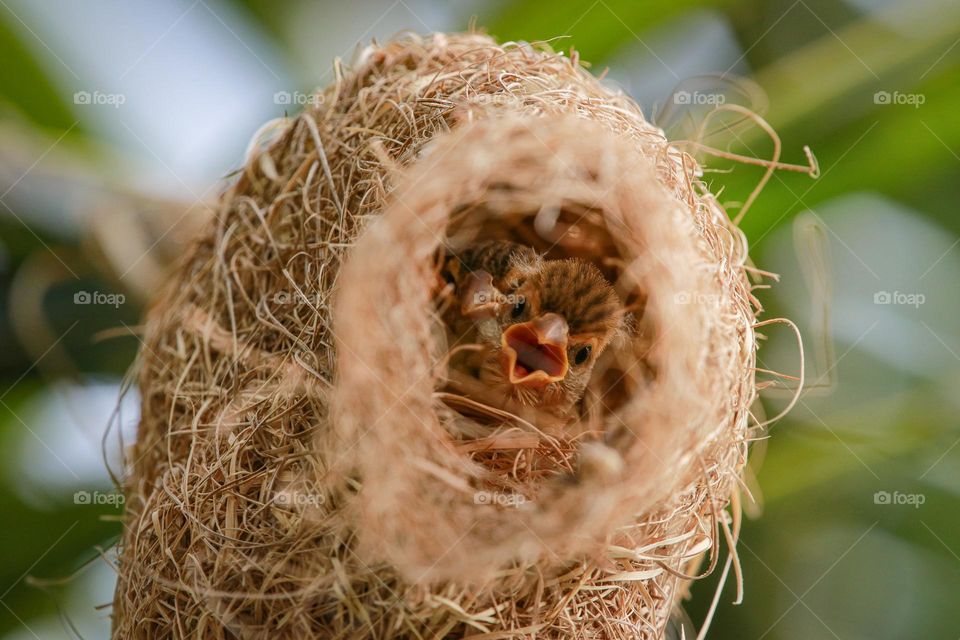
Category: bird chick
<point>542,323</point>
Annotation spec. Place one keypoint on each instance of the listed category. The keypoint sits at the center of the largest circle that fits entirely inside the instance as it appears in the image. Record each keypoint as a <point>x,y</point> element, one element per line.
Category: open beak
<point>535,352</point>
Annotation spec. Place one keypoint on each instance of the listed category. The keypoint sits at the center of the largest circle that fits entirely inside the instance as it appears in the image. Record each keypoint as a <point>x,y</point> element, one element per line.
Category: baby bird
<point>542,323</point>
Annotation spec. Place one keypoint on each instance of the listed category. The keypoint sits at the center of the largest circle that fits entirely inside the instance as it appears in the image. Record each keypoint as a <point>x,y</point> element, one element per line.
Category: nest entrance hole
<point>568,229</point>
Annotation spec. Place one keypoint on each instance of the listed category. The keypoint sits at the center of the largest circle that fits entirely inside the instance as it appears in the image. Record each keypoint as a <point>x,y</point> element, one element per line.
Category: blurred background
<point>120,120</point>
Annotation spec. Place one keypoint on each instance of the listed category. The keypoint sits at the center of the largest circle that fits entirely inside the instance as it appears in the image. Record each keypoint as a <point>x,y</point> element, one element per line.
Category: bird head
<point>555,321</point>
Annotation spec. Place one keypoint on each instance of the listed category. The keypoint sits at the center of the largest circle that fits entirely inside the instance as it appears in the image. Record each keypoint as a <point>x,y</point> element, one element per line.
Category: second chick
<point>542,323</point>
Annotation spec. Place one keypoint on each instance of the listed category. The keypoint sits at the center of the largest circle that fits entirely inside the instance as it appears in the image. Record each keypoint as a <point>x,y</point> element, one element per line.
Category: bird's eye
<point>582,354</point>
<point>518,308</point>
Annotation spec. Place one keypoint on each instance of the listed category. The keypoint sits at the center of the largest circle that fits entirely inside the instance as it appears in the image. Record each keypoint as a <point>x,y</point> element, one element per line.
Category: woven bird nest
<point>308,467</point>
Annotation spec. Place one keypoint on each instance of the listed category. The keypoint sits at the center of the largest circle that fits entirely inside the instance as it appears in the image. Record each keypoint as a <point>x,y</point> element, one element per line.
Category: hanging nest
<point>307,465</point>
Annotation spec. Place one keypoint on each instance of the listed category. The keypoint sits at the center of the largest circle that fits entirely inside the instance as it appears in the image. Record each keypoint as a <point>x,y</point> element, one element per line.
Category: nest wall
<point>302,468</point>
